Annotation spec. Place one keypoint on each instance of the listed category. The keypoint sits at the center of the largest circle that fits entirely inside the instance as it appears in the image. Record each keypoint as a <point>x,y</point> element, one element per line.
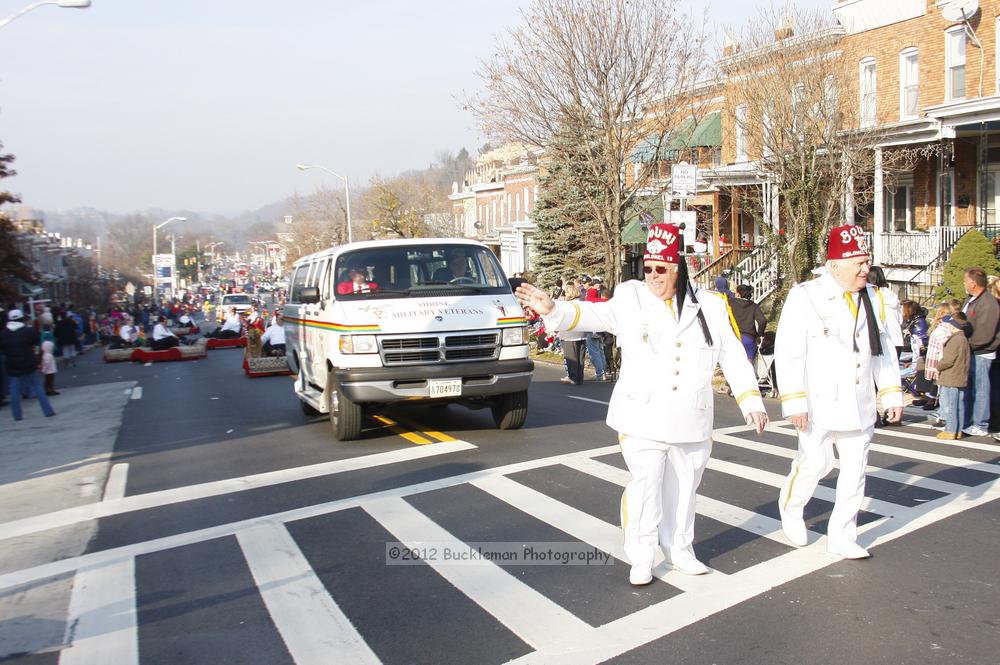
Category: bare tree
<point>319,221</point>
<point>406,206</point>
<point>602,67</point>
<point>799,116</point>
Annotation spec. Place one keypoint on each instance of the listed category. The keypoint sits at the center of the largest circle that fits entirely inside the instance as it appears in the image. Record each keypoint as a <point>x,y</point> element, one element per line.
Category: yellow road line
<point>440,436</point>
<point>394,427</point>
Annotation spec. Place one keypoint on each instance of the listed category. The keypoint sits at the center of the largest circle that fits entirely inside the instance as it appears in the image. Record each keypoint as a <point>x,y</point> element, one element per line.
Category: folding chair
<point>763,366</point>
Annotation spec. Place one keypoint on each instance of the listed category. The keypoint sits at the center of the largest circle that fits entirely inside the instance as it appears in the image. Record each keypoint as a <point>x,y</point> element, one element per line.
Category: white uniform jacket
<point>664,390</point>
<point>819,372</point>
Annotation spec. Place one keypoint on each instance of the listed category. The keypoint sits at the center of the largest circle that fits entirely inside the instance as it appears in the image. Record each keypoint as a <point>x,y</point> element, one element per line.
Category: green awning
<point>648,211</point>
<point>706,133</point>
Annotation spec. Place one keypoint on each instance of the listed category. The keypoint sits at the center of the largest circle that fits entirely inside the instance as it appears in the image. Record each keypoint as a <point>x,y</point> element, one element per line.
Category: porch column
<point>716,204</point>
<point>848,195</point>
<point>734,222</point>
<point>879,222</point>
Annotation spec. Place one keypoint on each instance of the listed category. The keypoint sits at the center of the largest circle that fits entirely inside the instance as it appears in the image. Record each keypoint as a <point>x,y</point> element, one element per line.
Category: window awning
<point>705,134</point>
<point>648,211</point>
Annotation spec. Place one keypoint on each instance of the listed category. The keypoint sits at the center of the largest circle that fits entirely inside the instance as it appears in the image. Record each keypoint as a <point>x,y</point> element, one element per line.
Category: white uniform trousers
<point>658,503</point>
<point>813,461</point>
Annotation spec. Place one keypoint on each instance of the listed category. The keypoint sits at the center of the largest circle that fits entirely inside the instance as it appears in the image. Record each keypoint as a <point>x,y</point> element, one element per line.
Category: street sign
<point>683,180</point>
<point>689,218</point>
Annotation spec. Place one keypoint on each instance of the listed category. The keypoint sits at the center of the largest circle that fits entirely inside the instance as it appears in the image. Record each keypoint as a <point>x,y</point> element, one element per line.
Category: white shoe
<point>847,550</point>
<point>686,562</point>
<point>975,430</point>
<point>794,529</point>
<point>641,574</point>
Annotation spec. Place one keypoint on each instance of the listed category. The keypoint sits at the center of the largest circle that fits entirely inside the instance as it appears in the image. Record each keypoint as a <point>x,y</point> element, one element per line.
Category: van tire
<point>308,409</point>
<point>345,415</point>
<point>511,410</point>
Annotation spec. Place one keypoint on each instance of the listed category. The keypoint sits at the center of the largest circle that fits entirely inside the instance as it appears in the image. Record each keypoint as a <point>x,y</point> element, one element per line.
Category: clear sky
<point>208,104</point>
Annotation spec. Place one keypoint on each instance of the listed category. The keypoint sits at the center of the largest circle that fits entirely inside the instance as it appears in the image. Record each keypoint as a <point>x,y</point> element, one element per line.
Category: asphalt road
<point>245,534</point>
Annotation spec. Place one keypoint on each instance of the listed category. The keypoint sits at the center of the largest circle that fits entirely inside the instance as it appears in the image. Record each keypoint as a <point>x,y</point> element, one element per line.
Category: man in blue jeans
<point>983,311</point>
<point>19,344</point>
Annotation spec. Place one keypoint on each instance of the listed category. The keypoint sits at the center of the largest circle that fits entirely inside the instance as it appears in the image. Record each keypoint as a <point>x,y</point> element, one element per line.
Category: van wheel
<point>511,410</point>
<point>345,415</point>
<point>307,409</point>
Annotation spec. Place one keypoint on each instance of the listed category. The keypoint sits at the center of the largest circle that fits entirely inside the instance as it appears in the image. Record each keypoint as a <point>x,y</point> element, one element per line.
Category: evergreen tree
<point>973,250</point>
<point>14,266</point>
<point>568,238</point>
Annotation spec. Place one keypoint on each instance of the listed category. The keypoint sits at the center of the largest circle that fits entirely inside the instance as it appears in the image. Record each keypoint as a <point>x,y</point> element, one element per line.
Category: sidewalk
<point>49,464</point>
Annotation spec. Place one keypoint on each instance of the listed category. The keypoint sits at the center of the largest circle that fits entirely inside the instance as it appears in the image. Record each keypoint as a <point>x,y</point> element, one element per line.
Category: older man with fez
<point>833,351</point>
<point>662,405</point>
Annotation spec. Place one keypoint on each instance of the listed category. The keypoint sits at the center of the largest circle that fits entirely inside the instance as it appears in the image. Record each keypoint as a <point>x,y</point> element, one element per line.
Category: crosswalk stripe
<point>777,480</point>
<point>114,488</point>
<point>528,614</point>
<point>719,511</point>
<point>580,525</point>
<point>873,471</point>
<point>311,623</point>
<point>961,443</point>
<point>136,502</point>
<point>947,460</point>
<point>101,620</point>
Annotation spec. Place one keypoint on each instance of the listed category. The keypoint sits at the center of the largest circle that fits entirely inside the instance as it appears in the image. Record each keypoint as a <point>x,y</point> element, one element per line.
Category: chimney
<point>731,45</point>
<point>784,29</point>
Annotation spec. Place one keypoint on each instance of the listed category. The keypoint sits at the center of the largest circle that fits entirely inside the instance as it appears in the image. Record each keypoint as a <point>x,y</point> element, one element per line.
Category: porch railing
<point>922,285</point>
<point>759,270</point>
<point>920,248</point>
<point>705,278</point>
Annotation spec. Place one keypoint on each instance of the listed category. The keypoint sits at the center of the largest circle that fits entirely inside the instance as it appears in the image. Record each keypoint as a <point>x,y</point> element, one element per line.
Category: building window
<point>909,77</point>
<point>954,62</point>
<point>900,206</point>
<point>741,134</point>
<point>867,87</point>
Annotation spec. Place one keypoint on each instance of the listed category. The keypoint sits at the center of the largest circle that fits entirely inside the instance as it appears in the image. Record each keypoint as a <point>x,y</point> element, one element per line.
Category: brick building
<point>495,201</point>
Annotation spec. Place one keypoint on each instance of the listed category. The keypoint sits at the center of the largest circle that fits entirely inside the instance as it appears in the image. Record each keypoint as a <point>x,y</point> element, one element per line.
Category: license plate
<point>445,387</point>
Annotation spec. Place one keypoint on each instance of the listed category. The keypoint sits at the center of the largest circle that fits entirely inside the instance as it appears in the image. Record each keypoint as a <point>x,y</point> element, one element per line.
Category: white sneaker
<point>566,379</point>
<point>641,574</point>
<point>686,562</point>
<point>847,550</point>
<point>975,430</point>
<point>794,529</point>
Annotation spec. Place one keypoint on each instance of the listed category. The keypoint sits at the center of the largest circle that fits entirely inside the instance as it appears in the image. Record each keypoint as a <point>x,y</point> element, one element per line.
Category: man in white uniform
<point>273,339</point>
<point>832,350</point>
<point>662,405</point>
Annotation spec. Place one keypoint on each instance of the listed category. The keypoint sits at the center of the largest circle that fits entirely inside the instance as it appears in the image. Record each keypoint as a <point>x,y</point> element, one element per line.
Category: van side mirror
<point>516,282</point>
<point>309,295</point>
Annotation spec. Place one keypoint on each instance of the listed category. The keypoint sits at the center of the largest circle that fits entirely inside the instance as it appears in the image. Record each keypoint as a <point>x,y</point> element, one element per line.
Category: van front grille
<point>439,348</point>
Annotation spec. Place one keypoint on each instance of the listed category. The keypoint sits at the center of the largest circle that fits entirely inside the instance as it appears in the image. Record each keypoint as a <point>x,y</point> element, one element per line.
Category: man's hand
<point>531,296</point>
<point>758,419</point>
<point>894,414</point>
<point>800,420</point>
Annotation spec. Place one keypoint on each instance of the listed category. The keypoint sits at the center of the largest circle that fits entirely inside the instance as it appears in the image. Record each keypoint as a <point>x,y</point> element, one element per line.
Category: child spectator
<point>49,367</point>
<point>953,375</point>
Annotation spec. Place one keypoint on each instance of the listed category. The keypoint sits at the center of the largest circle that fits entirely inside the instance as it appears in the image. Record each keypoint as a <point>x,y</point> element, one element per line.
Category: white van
<point>239,301</point>
<point>372,323</point>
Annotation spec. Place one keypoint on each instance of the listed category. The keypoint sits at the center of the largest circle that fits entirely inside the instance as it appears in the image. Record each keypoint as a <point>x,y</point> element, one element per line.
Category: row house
<point>495,201</point>
<point>66,269</point>
<point>926,83</point>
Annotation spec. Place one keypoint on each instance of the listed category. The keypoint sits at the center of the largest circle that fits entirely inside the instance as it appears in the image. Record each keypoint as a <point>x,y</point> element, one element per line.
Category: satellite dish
<point>959,10</point>
<point>478,225</point>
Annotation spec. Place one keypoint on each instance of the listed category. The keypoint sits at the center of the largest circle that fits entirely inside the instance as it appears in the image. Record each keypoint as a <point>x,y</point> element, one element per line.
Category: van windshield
<point>238,299</point>
<point>418,272</point>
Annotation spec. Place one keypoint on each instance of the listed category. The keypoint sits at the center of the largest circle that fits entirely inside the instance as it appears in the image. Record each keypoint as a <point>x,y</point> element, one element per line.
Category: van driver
<point>456,268</point>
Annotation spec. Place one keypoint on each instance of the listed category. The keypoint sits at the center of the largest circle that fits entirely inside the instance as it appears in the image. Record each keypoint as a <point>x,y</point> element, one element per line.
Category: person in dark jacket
<point>983,311</point>
<point>19,344</point>
<point>66,333</point>
<point>749,319</point>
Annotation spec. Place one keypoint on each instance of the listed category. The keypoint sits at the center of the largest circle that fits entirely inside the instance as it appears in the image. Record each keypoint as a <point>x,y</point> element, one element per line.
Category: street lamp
<point>347,192</point>
<point>155,229</point>
<point>69,4</point>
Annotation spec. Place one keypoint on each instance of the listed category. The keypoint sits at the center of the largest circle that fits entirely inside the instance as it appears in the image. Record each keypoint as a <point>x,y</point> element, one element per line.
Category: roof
<point>706,133</point>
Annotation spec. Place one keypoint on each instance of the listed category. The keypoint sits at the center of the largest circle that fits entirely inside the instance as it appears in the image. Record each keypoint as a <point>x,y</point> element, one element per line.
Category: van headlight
<point>358,344</point>
<point>515,336</point>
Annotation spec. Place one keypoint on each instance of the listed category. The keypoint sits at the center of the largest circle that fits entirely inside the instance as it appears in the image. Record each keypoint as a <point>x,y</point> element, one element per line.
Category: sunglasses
<point>660,270</point>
